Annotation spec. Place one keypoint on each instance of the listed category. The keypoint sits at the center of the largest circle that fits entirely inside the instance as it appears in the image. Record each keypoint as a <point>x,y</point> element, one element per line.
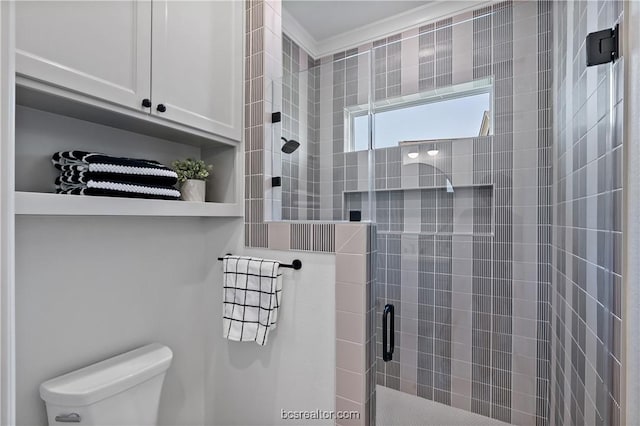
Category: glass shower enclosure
<point>441,137</point>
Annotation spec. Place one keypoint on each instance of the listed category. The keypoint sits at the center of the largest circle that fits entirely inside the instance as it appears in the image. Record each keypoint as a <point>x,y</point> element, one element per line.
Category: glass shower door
<point>323,178</point>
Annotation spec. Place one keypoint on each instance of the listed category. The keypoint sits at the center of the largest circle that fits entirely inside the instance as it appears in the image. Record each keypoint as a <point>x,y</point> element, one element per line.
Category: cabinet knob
<point>146,103</point>
<point>161,108</point>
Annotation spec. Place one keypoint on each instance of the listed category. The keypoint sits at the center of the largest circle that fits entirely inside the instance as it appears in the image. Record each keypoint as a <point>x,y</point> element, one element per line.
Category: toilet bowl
<point>123,390</point>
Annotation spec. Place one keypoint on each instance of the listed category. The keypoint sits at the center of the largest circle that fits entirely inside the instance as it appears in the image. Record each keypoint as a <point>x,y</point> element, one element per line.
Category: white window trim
<point>463,90</point>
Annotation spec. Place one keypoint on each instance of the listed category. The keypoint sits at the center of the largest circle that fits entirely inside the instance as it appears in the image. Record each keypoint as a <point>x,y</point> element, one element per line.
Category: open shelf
<point>40,133</point>
<point>37,203</point>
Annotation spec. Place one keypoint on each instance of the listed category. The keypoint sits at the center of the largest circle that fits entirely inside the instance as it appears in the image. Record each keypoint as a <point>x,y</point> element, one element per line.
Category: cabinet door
<point>197,64</point>
<point>98,48</point>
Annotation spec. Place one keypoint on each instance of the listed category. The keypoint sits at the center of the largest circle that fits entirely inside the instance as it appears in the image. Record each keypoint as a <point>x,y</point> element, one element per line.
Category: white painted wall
<point>248,384</point>
<point>7,91</point>
<point>92,287</point>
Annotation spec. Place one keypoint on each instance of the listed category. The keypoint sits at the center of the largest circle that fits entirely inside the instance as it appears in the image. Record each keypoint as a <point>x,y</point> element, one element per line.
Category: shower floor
<point>394,408</point>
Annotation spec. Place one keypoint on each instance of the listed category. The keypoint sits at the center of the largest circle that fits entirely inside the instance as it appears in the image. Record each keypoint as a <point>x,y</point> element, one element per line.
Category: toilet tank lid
<point>106,378</point>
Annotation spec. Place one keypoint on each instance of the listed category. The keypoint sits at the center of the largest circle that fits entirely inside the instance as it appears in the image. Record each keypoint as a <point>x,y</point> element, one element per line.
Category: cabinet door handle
<point>161,108</point>
<point>146,103</point>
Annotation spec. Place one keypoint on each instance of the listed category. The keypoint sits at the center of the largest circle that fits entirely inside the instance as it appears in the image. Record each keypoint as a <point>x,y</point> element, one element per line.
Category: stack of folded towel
<point>89,173</point>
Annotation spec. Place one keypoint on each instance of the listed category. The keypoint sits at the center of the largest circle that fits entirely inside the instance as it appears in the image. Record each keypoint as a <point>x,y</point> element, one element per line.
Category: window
<point>457,116</point>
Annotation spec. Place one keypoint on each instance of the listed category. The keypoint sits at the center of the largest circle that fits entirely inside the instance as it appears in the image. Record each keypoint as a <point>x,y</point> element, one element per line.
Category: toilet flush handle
<point>68,418</point>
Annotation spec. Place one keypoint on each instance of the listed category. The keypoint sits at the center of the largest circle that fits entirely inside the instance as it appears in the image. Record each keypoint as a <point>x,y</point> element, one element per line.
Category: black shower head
<point>289,145</point>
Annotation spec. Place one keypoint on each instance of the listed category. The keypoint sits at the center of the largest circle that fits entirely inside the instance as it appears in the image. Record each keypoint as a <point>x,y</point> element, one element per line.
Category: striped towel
<point>73,174</point>
<point>252,296</point>
<point>82,161</point>
<point>91,173</point>
<point>117,189</point>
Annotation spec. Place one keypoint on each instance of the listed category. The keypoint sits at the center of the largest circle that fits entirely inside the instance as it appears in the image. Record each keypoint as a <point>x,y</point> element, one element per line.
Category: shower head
<point>289,145</point>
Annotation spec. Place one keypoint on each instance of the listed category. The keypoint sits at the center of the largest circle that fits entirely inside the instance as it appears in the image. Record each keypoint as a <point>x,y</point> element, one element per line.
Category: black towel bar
<point>296,264</point>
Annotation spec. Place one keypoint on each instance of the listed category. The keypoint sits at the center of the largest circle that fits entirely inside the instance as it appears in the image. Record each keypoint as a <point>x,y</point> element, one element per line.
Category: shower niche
<point>430,187</point>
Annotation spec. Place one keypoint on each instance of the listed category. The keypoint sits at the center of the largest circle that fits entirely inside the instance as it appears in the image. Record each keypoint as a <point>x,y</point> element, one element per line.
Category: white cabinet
<point>185,58</point>
<point>100,49</point>
<point>197,64</point>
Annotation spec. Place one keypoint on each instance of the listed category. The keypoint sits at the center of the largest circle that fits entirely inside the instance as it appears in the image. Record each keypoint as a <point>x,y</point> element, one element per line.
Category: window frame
<point>473,88</point>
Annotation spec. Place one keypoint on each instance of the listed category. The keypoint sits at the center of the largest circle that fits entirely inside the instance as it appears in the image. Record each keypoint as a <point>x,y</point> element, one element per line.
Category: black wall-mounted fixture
<point>355,215</point>
<point>296,264</point>
<point>276,117</point>
<point>276,181</point>
<point>602,46</point>
<point>289,145</point>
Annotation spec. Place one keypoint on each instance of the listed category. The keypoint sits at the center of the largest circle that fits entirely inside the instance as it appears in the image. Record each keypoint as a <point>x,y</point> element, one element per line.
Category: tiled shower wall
<point>300,121</point>
<point>497,361</point>
<point>467,271</point>
<point>587,242</point>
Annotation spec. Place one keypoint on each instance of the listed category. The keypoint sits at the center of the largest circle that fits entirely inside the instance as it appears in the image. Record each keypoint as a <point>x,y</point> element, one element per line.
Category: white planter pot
<point>193,190</point>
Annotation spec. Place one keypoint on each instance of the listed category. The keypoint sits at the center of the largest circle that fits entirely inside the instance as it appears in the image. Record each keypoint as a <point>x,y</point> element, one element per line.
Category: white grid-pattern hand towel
<point>252,295</point>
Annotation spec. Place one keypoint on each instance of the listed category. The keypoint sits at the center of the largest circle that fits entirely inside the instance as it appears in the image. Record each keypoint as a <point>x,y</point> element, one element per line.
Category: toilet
<point>123,390</point>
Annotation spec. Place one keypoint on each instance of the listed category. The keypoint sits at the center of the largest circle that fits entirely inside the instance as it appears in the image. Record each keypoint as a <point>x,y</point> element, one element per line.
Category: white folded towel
<point>252,295</point>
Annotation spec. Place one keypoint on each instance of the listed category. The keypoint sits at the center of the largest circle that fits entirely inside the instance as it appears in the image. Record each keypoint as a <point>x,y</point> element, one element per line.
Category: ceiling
<point>323,27</point>
<point>324,19</point>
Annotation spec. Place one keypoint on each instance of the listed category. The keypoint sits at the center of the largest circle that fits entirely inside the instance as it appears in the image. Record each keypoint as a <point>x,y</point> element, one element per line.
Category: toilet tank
<point>123,390</point>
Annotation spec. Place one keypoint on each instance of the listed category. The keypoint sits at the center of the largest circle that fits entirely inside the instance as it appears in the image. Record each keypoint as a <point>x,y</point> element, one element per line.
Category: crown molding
<point>356,37</point>
<point>296,32</point>
<point>395,24</point>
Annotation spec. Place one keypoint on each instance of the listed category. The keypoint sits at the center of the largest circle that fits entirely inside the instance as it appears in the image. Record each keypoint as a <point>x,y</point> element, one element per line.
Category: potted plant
<point>192,175</point>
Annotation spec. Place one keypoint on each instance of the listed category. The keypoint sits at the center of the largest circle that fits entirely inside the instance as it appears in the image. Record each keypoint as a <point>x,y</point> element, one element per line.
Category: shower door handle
<point>388,317</point>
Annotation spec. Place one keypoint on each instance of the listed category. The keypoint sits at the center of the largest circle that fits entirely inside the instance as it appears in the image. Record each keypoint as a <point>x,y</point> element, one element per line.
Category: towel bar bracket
<point>296,264</point>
